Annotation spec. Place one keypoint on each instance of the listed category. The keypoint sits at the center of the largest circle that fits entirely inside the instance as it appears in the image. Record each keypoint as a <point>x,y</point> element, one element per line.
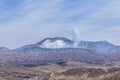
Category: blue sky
<point>29,21</point>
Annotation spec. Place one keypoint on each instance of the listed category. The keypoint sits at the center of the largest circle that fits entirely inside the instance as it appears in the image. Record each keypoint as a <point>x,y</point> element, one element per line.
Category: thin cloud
<point>33,20</point>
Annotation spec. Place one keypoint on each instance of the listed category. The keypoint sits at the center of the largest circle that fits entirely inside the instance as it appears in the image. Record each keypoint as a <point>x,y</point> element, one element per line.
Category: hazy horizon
<point>25,22</point>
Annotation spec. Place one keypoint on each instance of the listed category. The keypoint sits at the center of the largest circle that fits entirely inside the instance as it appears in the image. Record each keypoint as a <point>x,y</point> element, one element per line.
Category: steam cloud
<point>77,36</point>
<point>61,44</point>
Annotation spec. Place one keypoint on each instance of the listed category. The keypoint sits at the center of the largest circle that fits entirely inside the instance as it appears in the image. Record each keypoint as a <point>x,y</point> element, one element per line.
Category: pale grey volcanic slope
<point>61,50</point>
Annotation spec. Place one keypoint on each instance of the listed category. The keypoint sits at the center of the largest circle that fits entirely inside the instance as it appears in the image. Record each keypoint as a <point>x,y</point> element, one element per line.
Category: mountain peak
<point>61,42</point>
<point>56,42</point>
<point>54,39</point>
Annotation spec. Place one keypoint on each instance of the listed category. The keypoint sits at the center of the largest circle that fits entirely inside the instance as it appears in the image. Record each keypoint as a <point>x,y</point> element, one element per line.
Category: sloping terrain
<point>56,72</point>
<point>61,51</point>
<point>19,73</point>
<point>87,73</point>
<point>59,56</point>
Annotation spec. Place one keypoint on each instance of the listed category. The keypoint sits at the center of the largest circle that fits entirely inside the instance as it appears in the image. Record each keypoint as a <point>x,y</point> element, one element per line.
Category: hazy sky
<point>29,21</point>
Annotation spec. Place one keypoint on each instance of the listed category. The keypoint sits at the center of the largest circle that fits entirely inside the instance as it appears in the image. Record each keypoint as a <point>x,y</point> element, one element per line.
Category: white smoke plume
<point>77,36</point>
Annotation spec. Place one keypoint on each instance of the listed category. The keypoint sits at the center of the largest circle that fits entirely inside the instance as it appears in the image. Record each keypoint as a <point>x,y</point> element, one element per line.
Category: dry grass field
<point>99,73</point>
<point>56,72</point>
<point>19,73</point>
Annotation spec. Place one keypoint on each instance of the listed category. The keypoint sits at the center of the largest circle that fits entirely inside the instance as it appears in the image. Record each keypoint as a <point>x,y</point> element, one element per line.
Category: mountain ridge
<point>98,46</point>
<point>97,53</point>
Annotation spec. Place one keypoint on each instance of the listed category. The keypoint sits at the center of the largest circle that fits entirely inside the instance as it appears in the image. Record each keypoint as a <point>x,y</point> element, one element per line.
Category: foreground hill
<point>94,73</point>
<point>20,73</point>
<point>56,72</point>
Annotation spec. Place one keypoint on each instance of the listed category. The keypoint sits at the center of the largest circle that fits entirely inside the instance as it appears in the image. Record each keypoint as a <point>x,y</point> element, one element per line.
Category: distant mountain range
<point>99,47</point>
<point>61,50</point>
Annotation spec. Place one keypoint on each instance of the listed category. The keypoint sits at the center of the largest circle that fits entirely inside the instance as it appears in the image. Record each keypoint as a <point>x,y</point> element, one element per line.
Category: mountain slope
<point>60,42</point>
<point>62,50</point>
